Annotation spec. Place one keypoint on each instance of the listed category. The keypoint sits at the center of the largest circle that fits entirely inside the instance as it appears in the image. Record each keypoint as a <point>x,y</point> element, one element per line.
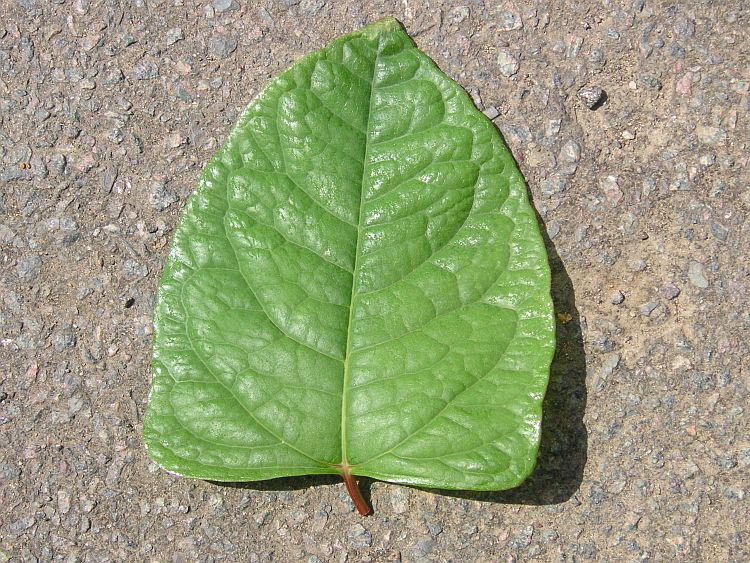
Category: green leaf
<point>357,287</point>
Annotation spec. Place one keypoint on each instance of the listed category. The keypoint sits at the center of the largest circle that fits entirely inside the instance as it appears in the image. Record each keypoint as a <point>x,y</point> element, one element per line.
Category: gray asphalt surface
<point>629,121</point>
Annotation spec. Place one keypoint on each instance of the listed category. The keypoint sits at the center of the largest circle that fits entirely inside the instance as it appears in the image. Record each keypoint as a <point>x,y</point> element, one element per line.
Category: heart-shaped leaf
<point>358,287</point>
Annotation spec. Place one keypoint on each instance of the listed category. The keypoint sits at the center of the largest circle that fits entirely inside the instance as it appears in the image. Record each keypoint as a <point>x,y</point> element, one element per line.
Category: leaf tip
<point>386,24</point>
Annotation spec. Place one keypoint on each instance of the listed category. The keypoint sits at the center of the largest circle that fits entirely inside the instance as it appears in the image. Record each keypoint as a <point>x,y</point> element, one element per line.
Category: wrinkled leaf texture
<point>358,282</point>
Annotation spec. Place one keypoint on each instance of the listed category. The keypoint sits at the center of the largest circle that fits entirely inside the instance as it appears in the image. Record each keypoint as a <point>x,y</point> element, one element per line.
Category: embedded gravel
<point>629,121</point>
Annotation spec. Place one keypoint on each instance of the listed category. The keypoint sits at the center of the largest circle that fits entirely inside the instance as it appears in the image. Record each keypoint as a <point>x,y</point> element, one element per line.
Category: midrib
<point>353,297</point>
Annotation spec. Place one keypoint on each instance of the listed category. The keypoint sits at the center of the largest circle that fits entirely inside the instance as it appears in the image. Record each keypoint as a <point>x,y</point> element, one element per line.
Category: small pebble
<point>591,96</point>
<point>222,6</point>
<point>510,20</point>
<point>174,140</point>
<point>637,265</point>
<point>173,35</point>
<point>145,70</point>
<point>358,536</point>
<point>508,63</point>
<point>553,229</point>
<point>609,366</point>
<point>647,308</point>
<point>63,339</point>
<point>596,58</point>
<point>553,185</point>
<point>458,14</point>
<point>134,270</point>
<point>710,135</point>
<point>570,152</point>
<point>29,267</point>
<point>400,500</point>
<point>650,82</point>
<point>311,7</point>
<point>22,525</point>
<point>160,197</point>
<point>523,538</point>
<point>491,112</point>
<point>221,46</point>
<point>286,4</point>
<point>553,127</point>
<point>697,274</point>
<point>684,86</point>
<point>423,547</point>
<point>617,298</point>
<point>718,230</point>
<point>669,291</point>
<point>63,501</point>
<point>57,163</point>
<point>611,189</point>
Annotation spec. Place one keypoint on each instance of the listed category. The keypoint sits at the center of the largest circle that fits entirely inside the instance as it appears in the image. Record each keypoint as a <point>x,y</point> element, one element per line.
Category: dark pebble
<point>591,96</point>
<point>221,46</point>
<point>651,82</point>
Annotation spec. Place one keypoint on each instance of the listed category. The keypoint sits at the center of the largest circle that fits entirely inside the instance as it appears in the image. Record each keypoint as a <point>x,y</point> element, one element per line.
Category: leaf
<point>357,287</point>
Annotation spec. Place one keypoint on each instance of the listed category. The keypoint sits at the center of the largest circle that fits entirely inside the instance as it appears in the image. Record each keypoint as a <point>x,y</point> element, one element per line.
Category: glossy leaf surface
<point>358,285</point>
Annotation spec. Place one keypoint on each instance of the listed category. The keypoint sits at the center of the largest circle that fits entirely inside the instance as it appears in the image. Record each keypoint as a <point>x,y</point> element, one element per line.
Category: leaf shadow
<point>283,483</point>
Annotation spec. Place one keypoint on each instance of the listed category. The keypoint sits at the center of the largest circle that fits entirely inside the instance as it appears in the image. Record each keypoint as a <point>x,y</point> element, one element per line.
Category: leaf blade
<point>408,284</point>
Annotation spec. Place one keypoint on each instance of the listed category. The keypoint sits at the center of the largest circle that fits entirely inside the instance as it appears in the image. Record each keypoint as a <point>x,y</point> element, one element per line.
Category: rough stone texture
<point>108,112</point>
<point>591,96</point>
